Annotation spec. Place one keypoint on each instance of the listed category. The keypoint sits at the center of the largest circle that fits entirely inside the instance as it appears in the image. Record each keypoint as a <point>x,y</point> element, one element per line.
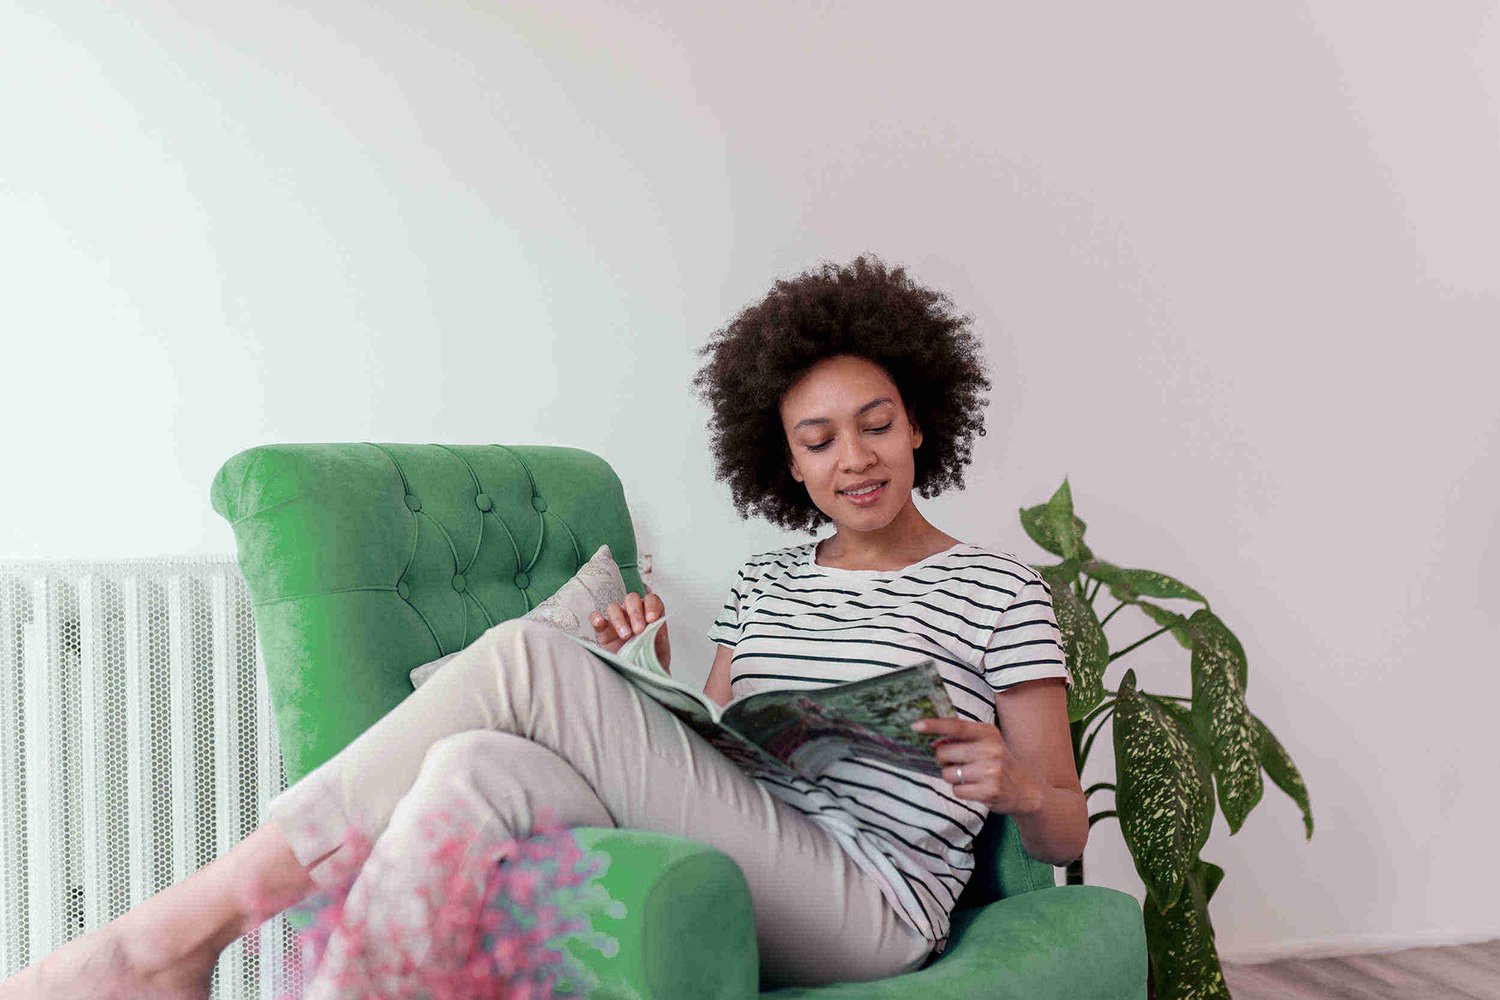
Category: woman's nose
<point>857,455</point>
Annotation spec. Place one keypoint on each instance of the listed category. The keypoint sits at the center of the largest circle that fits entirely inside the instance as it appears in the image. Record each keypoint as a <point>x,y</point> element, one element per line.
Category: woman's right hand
<point>621,621</point>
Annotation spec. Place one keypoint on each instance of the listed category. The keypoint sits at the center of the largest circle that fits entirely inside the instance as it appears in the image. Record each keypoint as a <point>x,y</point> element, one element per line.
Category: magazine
<point>800,732</point>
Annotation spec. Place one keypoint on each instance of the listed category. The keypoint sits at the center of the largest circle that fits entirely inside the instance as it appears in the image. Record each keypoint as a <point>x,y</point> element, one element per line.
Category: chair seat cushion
<point>1074,942</point>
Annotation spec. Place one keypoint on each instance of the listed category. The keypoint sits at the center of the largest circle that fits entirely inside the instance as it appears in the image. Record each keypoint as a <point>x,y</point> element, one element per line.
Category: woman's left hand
<point>990,773</point>
<point>621,621</point>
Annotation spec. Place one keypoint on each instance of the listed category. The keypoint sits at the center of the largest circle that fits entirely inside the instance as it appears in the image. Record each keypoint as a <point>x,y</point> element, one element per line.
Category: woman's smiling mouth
<point>865,497</point>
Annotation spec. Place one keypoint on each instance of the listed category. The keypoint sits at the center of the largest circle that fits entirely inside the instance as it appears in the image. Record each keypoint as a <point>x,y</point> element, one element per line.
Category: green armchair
<point>366,560</point>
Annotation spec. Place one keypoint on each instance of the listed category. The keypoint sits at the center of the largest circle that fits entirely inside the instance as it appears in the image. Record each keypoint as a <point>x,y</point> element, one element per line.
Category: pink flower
<point>488,919</point>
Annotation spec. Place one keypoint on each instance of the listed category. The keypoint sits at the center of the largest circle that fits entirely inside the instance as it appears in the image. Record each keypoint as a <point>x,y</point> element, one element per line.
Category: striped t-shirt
<point>985,617</point>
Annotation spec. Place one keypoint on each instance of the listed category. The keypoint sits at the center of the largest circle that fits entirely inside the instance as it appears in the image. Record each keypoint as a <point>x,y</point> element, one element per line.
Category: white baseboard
<point>1352,944</point>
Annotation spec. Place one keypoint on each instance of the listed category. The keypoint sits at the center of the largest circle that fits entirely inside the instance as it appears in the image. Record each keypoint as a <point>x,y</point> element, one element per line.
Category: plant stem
<point>1139,642</point>
<point>1088,744</point>
<point>1101,707</point>
<point>1112,613</point>
<point>1075,732</point>
<point>1173,697</point>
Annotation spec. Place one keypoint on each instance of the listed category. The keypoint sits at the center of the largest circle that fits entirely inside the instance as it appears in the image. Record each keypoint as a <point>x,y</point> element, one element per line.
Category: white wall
<point>1236,269</point>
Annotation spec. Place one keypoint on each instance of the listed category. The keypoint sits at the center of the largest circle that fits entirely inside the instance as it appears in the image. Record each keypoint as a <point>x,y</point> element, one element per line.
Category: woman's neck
<point>909,538</point>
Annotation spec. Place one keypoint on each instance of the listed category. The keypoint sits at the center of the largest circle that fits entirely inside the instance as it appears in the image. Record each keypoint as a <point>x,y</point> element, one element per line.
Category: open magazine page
<point>797,731</point>
<point>870,718</point>
<point>636,661</point>
<point>746,755</point>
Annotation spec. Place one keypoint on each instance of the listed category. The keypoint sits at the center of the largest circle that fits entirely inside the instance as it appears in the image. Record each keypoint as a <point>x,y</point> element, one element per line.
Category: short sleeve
<point>1026,643</point>
<point>726,627</point>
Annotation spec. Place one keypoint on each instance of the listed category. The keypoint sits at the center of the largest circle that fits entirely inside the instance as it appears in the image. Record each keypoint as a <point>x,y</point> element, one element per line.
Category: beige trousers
<point>526,720</point>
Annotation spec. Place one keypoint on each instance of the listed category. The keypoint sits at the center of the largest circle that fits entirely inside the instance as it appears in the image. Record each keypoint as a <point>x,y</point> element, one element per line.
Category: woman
<point>834,398</point>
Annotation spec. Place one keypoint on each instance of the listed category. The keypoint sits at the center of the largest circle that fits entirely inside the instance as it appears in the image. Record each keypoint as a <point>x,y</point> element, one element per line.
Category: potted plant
<point>1170,751</point>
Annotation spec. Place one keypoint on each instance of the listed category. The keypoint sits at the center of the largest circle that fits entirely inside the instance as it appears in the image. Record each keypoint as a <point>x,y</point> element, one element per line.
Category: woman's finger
<point>961,752</point>
<point>654,607</point>
<point>619,619</point>
<point>637,612</point>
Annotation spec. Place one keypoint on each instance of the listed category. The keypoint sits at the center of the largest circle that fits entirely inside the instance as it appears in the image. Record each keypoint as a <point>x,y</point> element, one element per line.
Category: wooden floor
<point>1459,972</point>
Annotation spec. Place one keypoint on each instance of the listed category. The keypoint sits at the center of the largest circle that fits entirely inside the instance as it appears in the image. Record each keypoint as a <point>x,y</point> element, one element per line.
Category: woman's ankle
<point>169,951</point>
<point>269,878</point>
<point>191,922</point>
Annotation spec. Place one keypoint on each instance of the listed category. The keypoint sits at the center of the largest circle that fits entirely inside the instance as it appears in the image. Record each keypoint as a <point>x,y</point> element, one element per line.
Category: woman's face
<point>846,425</point>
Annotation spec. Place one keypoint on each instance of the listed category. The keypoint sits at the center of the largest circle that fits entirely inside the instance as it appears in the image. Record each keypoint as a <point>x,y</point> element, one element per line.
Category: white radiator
<point>137,744</point>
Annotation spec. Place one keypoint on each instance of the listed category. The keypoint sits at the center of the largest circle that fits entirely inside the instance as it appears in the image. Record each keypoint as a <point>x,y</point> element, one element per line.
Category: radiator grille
<point>137,744</point>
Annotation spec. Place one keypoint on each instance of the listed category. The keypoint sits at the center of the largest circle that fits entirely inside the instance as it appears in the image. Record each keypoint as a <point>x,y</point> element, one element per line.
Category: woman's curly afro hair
<point>862,309</point>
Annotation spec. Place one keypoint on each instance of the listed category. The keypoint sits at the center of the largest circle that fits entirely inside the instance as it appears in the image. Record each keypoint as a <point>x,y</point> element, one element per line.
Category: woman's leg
<point>166,947</point>
<point>476,791</point>
<point>819,917</point>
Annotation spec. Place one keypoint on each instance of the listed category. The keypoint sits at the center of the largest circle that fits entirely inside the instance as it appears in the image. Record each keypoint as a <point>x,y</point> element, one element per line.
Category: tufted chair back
<point>366,560</point>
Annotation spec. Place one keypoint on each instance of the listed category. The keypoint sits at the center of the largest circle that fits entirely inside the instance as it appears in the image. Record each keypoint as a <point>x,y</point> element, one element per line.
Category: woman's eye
<point>872,430</point>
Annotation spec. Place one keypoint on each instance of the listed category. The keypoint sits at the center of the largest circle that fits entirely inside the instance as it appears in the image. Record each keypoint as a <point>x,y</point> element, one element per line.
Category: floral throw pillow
<point>595,586</point>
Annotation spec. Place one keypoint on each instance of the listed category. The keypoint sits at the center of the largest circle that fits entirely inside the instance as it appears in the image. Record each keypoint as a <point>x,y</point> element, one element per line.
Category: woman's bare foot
<point>105,964</point>
<point>167,946</point>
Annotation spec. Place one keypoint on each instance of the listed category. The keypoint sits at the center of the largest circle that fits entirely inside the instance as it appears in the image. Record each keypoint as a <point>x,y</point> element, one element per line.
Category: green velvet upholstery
<point>366,560</point>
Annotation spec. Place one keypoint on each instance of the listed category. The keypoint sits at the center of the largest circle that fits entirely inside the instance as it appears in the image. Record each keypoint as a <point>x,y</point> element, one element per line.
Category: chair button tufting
<point>402,590</point>
<point>522,580</point>
<point>539,503</point>
<point>459,583</point>
<point>412,502</point>
<point>483,502</point>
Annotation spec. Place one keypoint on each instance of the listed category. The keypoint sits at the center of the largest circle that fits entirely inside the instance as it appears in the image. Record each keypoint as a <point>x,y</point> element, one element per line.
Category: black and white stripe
<point>985,617</point>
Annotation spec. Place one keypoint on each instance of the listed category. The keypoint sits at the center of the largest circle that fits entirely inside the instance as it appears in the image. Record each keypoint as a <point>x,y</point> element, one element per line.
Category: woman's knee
<point>518,624</point>
<point>486,752</point>
<point>462,753</point>
<point>529,634</point>
<point>509,647</point>
<point>515,775</point>
<point>525,661</point>
<point>527,625</point>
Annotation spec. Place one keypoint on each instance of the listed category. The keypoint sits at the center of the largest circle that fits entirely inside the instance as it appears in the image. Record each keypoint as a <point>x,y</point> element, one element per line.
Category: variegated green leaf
<point>1037,524</point>
<point>1231,643</point>
<point>1278,764</point>
<point>1180,940</point>
<point>1061,574</point>
<point>1084,643</point>
<point>1218,668</point>
<point>1189,722</point>
<point>1129,584</point>
<point>1055,527</point>
<point>1164,791</point>
<point>1060,514</point>
<point>1171,619</point>
<point>1113,576</point>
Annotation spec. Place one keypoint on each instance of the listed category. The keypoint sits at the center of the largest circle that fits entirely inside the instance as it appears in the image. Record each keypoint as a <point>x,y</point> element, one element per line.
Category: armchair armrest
<point>1019,871</point>
<point>669,917</point>
<point>1002,867</point>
